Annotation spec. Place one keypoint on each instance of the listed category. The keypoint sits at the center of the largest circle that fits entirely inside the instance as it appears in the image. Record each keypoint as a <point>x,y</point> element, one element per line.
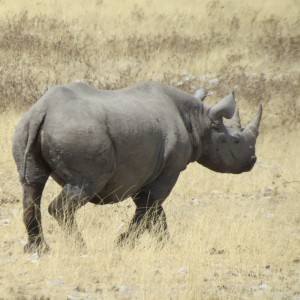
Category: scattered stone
<point>22,242</point>
<point>56,282</point>
<point>34,258</point>
<point>6,261</point>
<point>267,191</point>
<point>120,227</point>
<point>121,288</point>
<point>156,272</point>
<point>188,77</point>
<point>80,289</point>
<point>11,200</point>
<point>234,273</point>
<point>22,273</point>
<point>195,201</point>
<point>253,288</point>
<point>214,82</point>
<point>215,193</point>
<point>183,271</point>
<point>216,251</point>
<point>263,287</point>
<point>5,222</point>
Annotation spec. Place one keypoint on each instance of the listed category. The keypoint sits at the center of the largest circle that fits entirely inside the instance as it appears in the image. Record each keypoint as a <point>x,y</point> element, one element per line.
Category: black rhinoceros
<point>103,146</point>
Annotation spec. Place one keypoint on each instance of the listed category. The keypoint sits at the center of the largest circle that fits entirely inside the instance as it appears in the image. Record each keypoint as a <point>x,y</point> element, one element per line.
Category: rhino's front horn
<point>252,127</point>
<point>224,108</point>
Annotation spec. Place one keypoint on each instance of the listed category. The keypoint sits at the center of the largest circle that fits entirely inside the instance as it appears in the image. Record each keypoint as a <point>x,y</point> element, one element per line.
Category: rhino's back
<point>134,117</point>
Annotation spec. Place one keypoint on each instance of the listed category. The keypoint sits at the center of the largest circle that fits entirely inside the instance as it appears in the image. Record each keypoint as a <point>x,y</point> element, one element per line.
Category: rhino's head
<point>228,147</point>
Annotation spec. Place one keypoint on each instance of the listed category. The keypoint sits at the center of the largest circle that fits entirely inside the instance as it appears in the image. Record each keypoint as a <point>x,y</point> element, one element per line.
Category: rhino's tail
<point>34,126</point>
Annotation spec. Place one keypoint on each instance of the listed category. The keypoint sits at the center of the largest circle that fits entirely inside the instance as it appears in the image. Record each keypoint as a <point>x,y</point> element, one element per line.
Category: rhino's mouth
<point>248,166</point>
<point>235,167</point>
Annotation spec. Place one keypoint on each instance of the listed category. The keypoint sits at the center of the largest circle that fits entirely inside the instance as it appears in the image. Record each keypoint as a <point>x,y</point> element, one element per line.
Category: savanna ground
<point>233,236</point>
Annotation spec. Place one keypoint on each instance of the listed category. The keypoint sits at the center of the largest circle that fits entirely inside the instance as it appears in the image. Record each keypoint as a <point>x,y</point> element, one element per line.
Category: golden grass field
<point>233,236</point>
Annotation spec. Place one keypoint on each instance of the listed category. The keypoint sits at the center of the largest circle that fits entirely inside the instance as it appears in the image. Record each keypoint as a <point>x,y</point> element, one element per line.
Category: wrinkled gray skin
<point>105,146</point>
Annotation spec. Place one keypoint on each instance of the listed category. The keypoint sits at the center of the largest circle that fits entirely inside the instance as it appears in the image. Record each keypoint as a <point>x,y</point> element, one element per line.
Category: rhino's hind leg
<point>32,193</point>
<point>64,207</point>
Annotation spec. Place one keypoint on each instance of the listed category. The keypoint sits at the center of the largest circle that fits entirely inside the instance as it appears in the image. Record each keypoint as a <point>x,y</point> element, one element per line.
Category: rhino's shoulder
<point>82,87</point>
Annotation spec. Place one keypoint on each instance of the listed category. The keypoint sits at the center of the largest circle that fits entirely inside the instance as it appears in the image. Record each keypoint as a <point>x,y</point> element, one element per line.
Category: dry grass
<point>234,237</point>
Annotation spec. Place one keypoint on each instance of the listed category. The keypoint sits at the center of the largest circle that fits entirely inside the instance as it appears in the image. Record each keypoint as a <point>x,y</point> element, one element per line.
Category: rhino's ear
<point>201,94</point>
<point>225,108</point>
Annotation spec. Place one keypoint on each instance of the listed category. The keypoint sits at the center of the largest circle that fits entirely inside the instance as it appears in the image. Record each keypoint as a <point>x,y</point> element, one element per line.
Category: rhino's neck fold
<point>195,123</point>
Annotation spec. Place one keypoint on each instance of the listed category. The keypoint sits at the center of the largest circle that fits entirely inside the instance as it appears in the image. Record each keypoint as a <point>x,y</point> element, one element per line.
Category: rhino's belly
<point>111,193</point>
<point>105,197</point>
<point>115,192</point>
<point>121,186</point>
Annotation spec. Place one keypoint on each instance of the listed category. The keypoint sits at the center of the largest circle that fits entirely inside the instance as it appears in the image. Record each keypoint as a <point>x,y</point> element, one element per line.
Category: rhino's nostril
<point>253,159</point>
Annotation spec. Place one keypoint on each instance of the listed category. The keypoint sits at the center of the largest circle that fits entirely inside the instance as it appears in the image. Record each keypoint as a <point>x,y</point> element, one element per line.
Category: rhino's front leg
<point>32,193</point>
<point>146,218</point>
<point>154,220</point>
<point>149,213</point>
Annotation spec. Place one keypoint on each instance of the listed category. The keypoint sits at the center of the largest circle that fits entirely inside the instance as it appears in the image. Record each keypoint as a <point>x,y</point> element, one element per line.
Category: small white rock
<point>263,287</point>
<point>22,242</point>
<point>183,271</point>
<point>195,201</point>
<point>34,258</point>
<point>214,82</point>
<point>120,226</point>
<point>56,282</point>
<point>121,289</point>
<point>267,192</point>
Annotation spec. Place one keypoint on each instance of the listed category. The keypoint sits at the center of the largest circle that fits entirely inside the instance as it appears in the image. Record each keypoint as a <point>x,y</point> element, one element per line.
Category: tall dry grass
<point>233,236</point>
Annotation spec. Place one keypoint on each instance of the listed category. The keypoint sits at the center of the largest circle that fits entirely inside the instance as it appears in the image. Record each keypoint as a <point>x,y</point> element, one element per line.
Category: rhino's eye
<point>216,125</point>
<point>236,139</point>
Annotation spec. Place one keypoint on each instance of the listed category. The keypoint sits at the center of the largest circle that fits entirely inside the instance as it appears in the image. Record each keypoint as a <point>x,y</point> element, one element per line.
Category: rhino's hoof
<point>34,248</point>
